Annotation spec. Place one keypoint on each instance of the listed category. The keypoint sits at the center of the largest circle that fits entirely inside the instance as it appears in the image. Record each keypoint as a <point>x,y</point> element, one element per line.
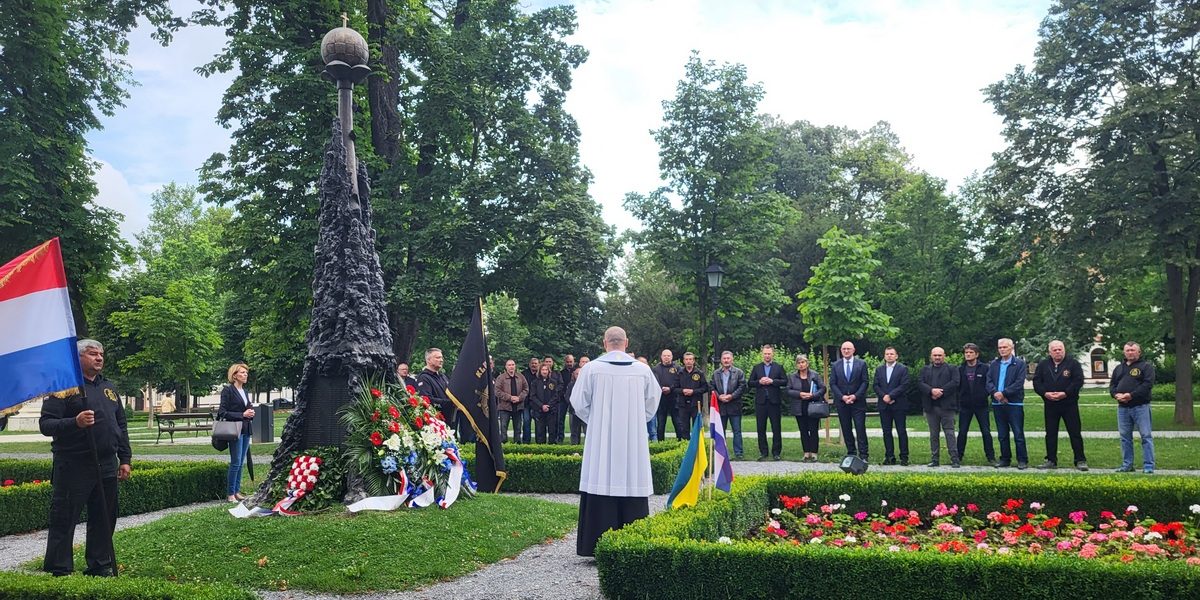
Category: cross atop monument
<point>345,20</point>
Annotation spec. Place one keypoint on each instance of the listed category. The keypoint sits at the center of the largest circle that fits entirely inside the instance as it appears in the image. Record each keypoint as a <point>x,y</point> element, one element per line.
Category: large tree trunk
<point>383,90</point>
<point>1183,296</point>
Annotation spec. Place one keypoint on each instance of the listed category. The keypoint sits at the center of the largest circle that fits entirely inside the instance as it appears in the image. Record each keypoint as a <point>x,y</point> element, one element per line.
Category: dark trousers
<point>598,514</point>
<point>666,406</point>
<point>578,428</point>
<point>506,416</point>
<point>1068,411</point>
<point>466,433</point>
<point>808,433</point>
<point>683,419</point>
<point>774,413</point>
<point>76,484</point>
<point>889,416</point>
<point>852,420</point>
<point>980,414</point>
<point>563,409</point>
<point>522,426</point>
<point>544,424</point>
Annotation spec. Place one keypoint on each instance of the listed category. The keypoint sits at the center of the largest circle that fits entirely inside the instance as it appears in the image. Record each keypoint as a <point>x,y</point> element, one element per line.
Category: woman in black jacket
<point>804,386</point>
<point>543,401</point>
<point>235,406</point>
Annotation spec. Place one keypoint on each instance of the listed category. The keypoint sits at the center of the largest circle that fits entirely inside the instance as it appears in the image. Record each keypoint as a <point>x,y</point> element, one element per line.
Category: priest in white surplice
<point>615,395</point>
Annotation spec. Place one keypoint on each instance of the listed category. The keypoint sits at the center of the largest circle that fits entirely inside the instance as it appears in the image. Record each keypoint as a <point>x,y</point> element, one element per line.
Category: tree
<point>506,335</point>
<point>834,305</point>
<point>646,306</point>
<point>1104,139</point>
<point>61,64</point>
<point>718,205</point>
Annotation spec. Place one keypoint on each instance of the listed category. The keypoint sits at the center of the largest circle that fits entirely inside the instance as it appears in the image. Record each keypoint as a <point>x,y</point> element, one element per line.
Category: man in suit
<point>1058,380</point>
<point>1006,388</point>
<point>891,388</point>
<point>939,398</point>
<point>666,372</point>
<point>973,402</point>
<point>767,379</point>
<point>689,388</point>
<point>729,382</point>
<point>848,385</point>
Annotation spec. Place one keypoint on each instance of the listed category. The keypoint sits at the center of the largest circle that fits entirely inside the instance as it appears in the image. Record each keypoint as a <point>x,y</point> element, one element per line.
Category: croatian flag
<point>722,470</point>
<point>37,348</point>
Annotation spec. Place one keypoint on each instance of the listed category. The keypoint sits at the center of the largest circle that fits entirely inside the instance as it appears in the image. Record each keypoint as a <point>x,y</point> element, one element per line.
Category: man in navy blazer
<point>848,385</point>
<point>767,378</point>
<point>891,389</point>
<point>1006,388</point>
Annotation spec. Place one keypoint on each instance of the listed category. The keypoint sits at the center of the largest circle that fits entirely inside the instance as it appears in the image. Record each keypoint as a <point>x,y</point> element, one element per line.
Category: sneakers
<point>1148,471</point>
<point>762,458</point>
<point>1048,465</point>
<point>777,457</point>
<point>1125,469</point>
<point>1022,466</point>
<point>1081,465</point>
<point>955,464</point>
<point>933,463</point>
<point>1004,464</point>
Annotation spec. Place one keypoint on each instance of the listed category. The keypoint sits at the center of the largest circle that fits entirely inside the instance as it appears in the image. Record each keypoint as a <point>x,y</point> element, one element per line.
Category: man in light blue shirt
<point>1006,388</point>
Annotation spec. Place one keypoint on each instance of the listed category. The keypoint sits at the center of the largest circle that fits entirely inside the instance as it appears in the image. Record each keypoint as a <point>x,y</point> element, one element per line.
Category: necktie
<point>847,371</point>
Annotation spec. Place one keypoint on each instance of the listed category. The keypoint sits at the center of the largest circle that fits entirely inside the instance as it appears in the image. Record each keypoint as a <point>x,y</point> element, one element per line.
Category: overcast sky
<point>918,64</point>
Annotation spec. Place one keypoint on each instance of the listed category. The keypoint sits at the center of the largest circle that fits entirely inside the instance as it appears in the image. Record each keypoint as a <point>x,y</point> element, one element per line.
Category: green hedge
<point>554,469</point>
<point>1165,392</point>
<point>153,485</point>
<point>675,554</point>
<point>19,586</point>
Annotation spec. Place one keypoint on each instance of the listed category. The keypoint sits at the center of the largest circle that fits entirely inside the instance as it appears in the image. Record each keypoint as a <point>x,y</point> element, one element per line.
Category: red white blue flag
<point>722,470</point>
<point>37,331</point>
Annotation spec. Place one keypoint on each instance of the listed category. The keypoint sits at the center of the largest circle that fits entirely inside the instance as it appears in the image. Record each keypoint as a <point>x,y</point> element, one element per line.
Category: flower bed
<point>1016,527</point>
<point>724,547</point>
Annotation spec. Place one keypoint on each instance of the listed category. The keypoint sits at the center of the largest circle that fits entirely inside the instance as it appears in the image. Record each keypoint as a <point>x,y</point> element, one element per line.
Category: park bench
<point>169,423</point>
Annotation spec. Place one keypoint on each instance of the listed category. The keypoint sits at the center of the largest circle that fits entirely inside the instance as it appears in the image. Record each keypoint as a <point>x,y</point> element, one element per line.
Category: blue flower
<point>388,464</point>
<point>411,458</point>
<point>445,465</point>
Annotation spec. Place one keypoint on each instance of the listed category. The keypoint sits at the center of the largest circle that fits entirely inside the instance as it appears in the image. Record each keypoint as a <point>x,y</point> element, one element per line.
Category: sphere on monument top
<point>346,45</point>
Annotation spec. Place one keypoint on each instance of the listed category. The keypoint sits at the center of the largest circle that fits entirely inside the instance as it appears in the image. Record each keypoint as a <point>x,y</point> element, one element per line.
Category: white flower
<point>883,502</point>
<point>393,443</point>
<point>407,440</point>
<point>1153,535</point>
<point>1195,508</point>
<point>1131,509</point>
<point>982,545</point>
<point>844,497</point>
<point>815,540</point>
<point>893,548</point>
<point>851,539</point>
<point>1035,505</point>
<point>724,540</point>
<point>775,511</point>
<point>1003,550</point>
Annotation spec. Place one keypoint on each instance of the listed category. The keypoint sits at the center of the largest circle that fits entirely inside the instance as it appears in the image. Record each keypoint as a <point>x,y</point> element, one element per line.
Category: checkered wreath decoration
<point>301,480</point>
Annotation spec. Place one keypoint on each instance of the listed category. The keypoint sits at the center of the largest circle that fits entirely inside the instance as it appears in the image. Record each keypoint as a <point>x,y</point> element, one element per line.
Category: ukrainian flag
<point>695,463</point>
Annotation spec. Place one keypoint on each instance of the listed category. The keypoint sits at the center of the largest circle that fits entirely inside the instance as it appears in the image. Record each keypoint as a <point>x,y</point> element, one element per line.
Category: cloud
<point>918,64</point>
<point>116,193</point>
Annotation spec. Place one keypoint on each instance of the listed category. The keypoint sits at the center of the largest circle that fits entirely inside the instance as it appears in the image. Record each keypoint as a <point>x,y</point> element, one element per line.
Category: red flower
<point>1104,514</point>
<point>8,482</point>
<point>37,480</point>
<point>1052,523</point>
<point>375,417</point>
<point>376,393</point>
<point>395,412</point>
<point>419,422</point>
<point>394,426</point>
<point>412,401</point>
<point>425,400</point>
<point>410,389</point>
<point>376,438</point>
<point>973,508</point>
<point>440,416</point>
<point>1012,505</point>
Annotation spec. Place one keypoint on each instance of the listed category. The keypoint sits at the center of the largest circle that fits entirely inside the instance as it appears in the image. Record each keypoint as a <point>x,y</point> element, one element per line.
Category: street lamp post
<point>715,274</point>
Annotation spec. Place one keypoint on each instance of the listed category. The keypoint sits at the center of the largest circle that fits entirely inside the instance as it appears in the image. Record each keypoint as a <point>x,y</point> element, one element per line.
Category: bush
<point>675,554</point>
<point>153,485</point>
<point>1165,392</point>
<point>20,586</point>
<point>554,469</point>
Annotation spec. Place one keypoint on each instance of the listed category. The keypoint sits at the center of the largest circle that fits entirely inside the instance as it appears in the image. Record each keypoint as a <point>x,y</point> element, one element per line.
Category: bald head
<point>937,356</point>
<point>615,339</point>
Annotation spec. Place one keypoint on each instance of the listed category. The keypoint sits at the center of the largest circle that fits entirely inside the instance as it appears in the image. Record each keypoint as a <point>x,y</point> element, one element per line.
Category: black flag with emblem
<point>471,390</point>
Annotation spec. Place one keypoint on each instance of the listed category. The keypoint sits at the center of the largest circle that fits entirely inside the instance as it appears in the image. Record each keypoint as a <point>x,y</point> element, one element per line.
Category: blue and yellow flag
<point>695,463</point>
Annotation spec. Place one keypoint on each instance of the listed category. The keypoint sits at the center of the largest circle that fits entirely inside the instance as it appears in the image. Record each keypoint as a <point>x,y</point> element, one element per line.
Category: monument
<point>348,338</point>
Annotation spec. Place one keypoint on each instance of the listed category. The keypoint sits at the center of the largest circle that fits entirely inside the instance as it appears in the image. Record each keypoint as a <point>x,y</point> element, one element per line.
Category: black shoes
<point>1081,465</point>
<point>762,458</point>
<point>1004,464</point>
<point>1048,465</point>
<point>955,464</point>
<point>777,457</point>
<point>933,463</point>
<point>889,461</point>
<point>1022,465</point>
<point>904,462</point>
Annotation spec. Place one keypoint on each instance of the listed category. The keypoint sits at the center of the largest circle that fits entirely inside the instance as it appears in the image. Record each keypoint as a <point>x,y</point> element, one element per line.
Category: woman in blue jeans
<point>235,406</point>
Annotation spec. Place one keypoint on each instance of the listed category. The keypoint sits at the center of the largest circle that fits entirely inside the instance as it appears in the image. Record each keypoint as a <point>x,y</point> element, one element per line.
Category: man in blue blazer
<point>767,379</point>
<point>848,385</point>
<point>891,389</point>
<point>1006,388</point>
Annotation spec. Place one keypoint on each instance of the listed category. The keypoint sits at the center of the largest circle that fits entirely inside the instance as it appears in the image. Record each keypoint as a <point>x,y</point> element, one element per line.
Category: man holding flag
<point>615,395</point>
<point>472,391</point>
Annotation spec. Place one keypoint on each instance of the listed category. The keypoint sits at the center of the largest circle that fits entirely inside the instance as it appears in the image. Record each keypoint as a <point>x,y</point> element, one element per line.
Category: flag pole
<point>703,410</point>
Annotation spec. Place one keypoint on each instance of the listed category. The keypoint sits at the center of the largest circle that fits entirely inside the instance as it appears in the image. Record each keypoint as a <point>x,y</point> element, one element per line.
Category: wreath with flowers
<point>402,446</point>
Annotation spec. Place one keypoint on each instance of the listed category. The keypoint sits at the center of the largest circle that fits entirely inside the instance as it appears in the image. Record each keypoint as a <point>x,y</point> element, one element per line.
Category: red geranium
<point>395,412</point>
<point>419,422</point>
<point>1052,523</point>
<point>376,393</point>
<point>8,482</point>
<point>375,417</point>
<point>410,389</point>
<point>1012,505</point>
<point>412,401</point>
<point>425,400</point>
<point>394,426</point>
<point>376,438</point>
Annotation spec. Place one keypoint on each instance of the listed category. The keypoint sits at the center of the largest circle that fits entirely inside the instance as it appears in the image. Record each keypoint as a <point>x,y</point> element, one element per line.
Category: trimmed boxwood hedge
<point>554,469</point>
<point>20,586</point>
<point>676,555</point>
<point>153,485</point>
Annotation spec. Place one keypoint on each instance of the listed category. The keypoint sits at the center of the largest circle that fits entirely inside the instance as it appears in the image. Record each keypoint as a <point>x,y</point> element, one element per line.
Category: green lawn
<point>1101,454</point>
<point>339,552</point>
<point>145,447</point>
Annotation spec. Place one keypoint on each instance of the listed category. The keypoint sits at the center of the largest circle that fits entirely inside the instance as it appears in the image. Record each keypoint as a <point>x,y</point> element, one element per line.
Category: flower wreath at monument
<point>404,450</point>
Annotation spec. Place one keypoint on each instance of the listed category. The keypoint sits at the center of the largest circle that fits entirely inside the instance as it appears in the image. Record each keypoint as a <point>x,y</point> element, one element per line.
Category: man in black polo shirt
<point>1130,387</point>
<point>1058,380</point>
<point>77,479</point>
